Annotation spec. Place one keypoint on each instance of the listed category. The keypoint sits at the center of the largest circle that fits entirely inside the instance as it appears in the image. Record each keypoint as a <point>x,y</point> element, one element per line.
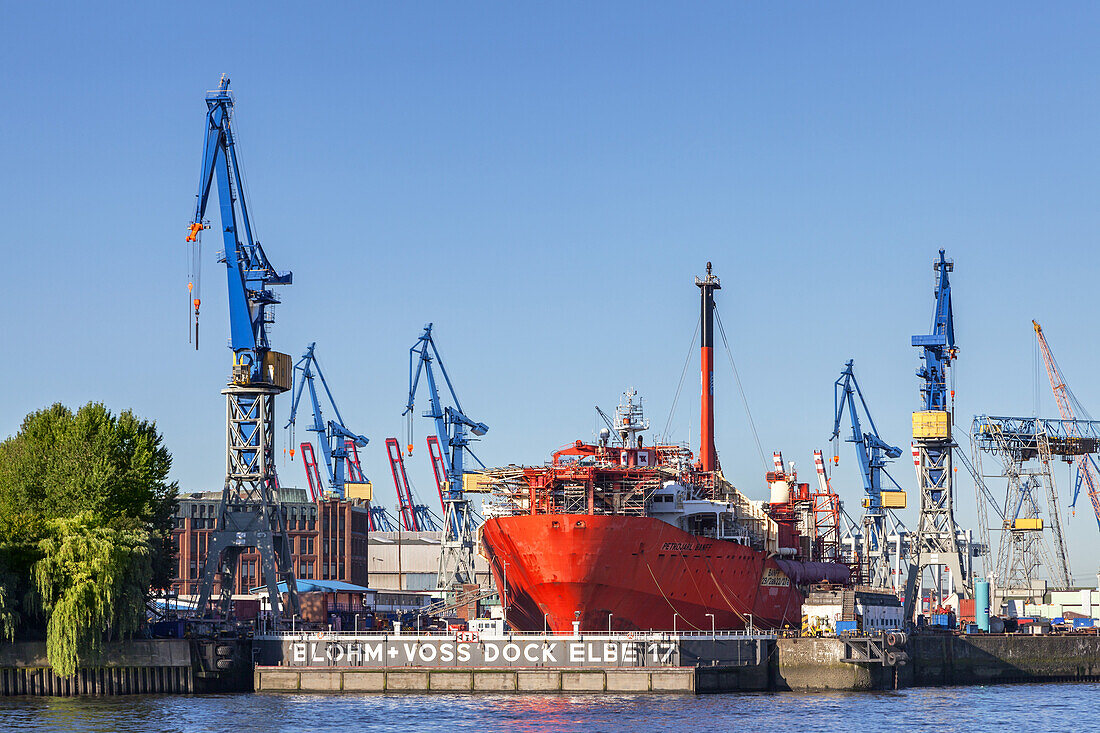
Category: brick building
<point>328,540</point>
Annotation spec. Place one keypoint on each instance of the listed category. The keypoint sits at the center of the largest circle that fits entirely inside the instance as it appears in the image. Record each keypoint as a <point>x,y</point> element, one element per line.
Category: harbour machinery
<point>447,451</point>
<point>339,445</point>
<point>1087,473</point>
<point>248,513</point>
<point>882,535</point>
<point>938,548</point>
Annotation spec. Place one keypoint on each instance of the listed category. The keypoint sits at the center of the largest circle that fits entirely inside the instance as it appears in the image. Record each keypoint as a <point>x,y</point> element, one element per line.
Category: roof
<point>324,586</point>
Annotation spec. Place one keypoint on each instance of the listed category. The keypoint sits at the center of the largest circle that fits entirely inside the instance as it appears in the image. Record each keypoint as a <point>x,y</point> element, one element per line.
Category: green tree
<point>91,583</point>
<point>86,514</point>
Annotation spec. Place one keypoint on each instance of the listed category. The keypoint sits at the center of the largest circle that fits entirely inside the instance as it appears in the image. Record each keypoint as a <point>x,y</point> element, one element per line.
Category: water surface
<point>1030,708</point>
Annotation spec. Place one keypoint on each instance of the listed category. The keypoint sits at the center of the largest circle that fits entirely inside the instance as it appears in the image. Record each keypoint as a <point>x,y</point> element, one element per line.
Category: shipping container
<point>847,627</point>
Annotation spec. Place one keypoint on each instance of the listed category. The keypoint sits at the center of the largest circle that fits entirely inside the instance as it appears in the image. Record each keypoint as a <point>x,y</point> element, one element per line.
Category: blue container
<point>981,604</point>
<point>941,619</point>
<point>972,629</point>
<point>1082,623</point>
<point>846,627</point>
<point>1058,621</point>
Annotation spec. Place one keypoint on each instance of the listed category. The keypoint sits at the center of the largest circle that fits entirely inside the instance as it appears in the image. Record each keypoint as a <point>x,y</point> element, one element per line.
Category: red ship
<point>623,536</point>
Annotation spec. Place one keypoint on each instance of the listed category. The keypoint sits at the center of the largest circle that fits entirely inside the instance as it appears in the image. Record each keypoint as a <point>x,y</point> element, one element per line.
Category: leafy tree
<point>86,515</point>
<point>91,583</point>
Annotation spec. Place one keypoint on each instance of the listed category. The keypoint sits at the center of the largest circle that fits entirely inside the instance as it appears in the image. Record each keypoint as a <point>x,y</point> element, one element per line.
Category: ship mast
<point>708,456</point>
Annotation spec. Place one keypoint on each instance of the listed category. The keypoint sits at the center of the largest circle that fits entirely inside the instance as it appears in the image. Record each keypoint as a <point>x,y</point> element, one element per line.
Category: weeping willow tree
<point>86,516</point>
<point>91,585</point>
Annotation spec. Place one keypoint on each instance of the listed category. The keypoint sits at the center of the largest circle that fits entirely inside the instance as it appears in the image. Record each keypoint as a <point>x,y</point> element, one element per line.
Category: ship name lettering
<point>354,653</point>
<point>576,652</point>
<point>372,653</point>
<point>410,652</point>
<point>548,654</point>
<point>313,655</point>
<point>511,652</point>
<point>531,652</point>
<point>464,653</point>
<point>686,546</point>
<point>334,652</point>
<point>446,652</point>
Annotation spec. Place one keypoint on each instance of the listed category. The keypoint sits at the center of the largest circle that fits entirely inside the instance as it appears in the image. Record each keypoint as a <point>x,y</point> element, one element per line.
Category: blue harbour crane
<point>882,533</point>
<point>248,513</point>
<point>938,547</point>
<point>337,443</point>
<point>452,429</point>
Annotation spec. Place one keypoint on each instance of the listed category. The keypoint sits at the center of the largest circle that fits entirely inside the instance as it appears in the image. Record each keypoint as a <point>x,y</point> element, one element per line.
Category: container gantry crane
<point>1069,407</point>
<point>882,534</point>
<point>338,444</point>
<point>936,543</point>
<point>456,559</point>
<point>249,513</point>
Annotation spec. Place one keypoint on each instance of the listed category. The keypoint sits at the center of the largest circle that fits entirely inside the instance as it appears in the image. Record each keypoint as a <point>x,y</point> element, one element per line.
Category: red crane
<point>313,476</point>
<point>407,508</point>
<point>439,467</point>
<point>1068,406</point>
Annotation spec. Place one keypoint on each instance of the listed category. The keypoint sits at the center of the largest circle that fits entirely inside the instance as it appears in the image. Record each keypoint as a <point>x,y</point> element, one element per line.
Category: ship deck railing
<point>718,634</point>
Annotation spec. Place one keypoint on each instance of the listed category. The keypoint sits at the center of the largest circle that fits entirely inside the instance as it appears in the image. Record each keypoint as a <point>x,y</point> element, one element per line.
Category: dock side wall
<point>133,667</point>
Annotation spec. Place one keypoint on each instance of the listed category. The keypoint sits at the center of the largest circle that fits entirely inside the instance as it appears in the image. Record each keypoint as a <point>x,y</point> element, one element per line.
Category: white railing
<point>718,635</point>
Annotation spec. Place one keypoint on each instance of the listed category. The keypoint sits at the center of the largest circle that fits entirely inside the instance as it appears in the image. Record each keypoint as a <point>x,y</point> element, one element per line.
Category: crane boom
<point>447,453</point>
<point>1086,467</point>
<point>872,452</point>
<point>250,273</point>
<point>332,436</point>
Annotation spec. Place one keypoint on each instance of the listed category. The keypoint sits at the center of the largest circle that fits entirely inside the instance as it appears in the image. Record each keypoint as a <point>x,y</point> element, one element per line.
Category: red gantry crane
<point>1069,407</point>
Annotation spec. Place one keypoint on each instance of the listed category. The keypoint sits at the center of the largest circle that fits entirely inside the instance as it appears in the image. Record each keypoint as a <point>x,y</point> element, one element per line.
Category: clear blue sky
<point>544,182</point>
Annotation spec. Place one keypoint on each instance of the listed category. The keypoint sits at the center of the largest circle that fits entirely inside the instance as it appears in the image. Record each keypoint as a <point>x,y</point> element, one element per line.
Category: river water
<point>1018,708</point>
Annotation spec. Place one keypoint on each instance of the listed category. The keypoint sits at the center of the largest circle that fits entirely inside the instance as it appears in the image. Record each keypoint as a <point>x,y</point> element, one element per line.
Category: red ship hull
<point>636,573</point>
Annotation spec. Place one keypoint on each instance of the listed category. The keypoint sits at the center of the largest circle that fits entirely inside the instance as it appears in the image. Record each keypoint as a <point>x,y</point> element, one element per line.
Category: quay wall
<point>978,659</point>
<point>817,664</point>
<point>131,667</point>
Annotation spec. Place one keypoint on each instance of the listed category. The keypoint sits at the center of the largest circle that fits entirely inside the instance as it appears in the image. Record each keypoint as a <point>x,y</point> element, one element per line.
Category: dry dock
<point>660,663</point>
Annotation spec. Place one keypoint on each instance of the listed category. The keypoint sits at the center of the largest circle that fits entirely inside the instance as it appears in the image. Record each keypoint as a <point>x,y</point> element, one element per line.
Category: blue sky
<point>544,183</point>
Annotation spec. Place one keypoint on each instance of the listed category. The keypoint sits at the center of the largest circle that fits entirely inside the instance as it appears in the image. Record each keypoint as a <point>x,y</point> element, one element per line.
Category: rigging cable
<point>680,386</point>
<point>741,389</point>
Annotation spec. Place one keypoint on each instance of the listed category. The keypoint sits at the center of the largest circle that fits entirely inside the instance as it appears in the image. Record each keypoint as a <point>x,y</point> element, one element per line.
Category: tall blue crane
<point>938,545</point>
<point>880,529</point>
<point>456,565</point>
<point>250,274</point>
<point>248,513</point>
<point>334,439</point>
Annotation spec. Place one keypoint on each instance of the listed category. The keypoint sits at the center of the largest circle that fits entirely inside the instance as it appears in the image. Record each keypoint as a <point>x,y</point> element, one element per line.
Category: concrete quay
<point>570,680</point>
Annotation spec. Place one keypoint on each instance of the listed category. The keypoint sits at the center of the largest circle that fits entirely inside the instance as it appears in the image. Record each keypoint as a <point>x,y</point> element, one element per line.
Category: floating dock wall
<point>450,680</point>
